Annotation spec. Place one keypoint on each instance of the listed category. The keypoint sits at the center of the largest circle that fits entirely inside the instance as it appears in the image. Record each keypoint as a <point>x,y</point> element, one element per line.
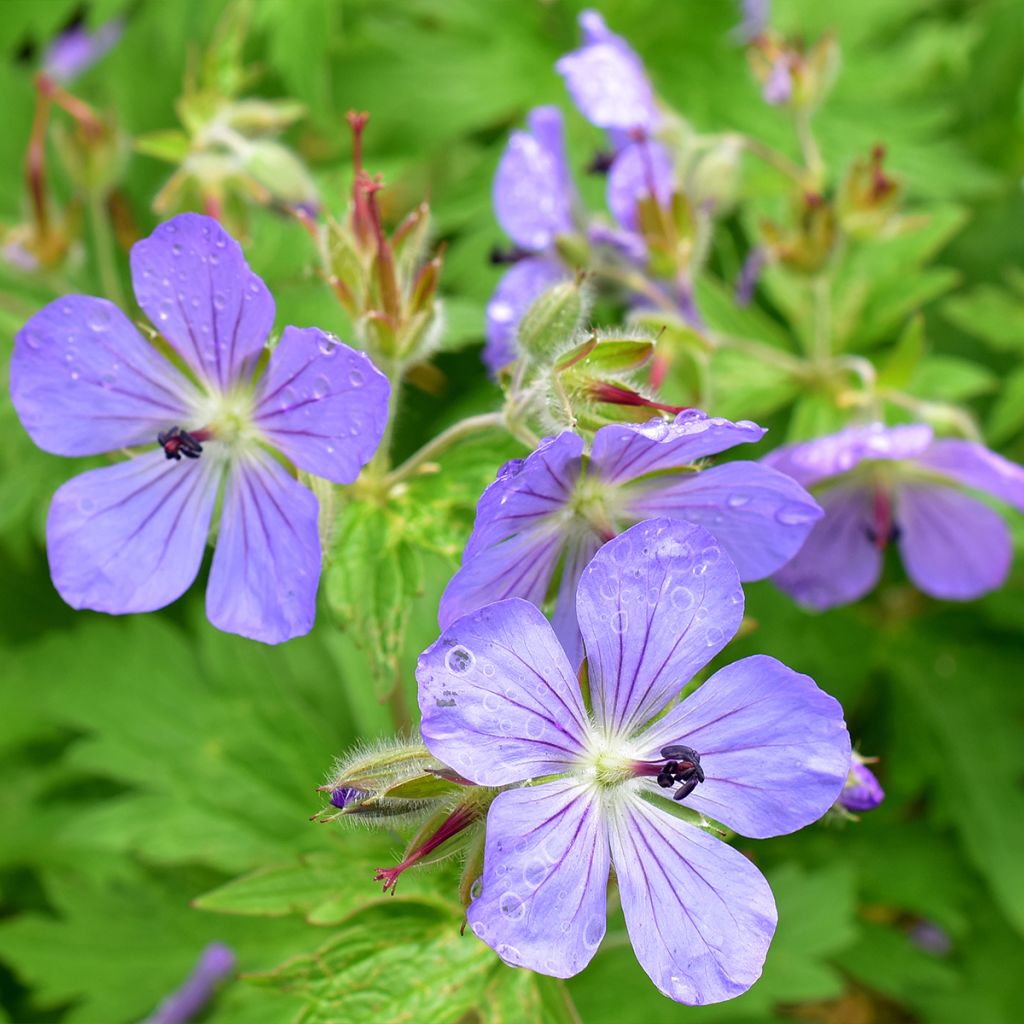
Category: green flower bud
<point>552,319</point>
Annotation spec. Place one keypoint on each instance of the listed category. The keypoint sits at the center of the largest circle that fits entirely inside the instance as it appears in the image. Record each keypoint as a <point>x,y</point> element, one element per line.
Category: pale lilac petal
<point>183,1005</point>
<point>193,282</point>
<point>527,491</point>
<point>655,605</point>
<point>84,381</point>
<point>810,462</point>
<point>699,914</point>
<point>267,563</point>
<point>499,700</point>
<point>323,404</point>
<point>760,517</point>
<point>579,550</point>
<point>532,193</point>
<point>523,283</point>
<point>543,902</point>
<point>607,80</point>
<point>840,561</point>
<point>130,537</point>
<point>974,466</point>
<point>774,748</point>
<point>641,170</point>
<point>520,567</point>
<point>625,451</point>
<point>952,545</point>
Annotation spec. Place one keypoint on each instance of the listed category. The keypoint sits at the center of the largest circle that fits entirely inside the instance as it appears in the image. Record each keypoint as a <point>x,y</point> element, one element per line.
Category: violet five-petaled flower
<point>757,747</point>
<point>533,201</point>
<point>130,537</point>
<point>879,485</point>
<point>545,516</point>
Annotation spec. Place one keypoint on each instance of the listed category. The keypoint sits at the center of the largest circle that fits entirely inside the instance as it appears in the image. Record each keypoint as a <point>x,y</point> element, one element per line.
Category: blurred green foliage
<point>150,762</point>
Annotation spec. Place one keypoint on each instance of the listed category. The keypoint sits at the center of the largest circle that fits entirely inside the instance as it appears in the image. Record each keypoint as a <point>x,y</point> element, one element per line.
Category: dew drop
<point>327,345</point>
<point>534,728</point>
<point>795,514</point>
<point>99,319</point>
<point>177,249</point>
<point>321,387</point>
<point>714,637</point>
<point>165,310</point>
<point>86,506</point>
<point>32,340</point>
<point>620,622</point>
<point>219,300</point>
<point>737,500</point>
<point>459,660</point>
<point>479,928</point>
<point>593,932</point>
<point>355,378</point>
<point>682,599</point>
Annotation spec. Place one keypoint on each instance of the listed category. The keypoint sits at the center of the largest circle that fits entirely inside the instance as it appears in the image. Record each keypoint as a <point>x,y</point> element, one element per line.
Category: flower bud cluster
<point>387,284</point>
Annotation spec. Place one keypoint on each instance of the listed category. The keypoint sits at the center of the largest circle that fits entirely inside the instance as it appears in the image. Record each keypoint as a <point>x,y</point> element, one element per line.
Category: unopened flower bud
<point>281,173</point>
<point>862,791</point>
<point>552,318</point>
<point>390,781</point>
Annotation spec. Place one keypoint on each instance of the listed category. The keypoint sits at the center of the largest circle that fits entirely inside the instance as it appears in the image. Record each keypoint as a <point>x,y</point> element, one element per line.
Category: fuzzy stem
<point>443,441</point>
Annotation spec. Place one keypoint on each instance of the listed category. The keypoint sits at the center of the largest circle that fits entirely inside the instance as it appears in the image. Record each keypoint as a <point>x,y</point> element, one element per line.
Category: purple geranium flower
<point>608,83</point>
<point>130,537</point>
<point>881,484</point>
<point>554,509</point>
<point>758,747</point>
<point>533,201</point>
<point>641,170</point>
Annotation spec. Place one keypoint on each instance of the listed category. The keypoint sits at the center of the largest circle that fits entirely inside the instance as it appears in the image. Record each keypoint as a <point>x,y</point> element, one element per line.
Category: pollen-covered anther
<point>681,766</point>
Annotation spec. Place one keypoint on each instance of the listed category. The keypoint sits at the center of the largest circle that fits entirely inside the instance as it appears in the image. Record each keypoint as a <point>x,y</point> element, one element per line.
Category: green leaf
<point>950,379</point>
<point>990,313</point>
<point>1007,416</point>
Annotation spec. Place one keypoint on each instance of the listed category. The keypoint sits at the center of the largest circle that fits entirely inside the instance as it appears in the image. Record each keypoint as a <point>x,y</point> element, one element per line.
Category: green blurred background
<point>147,761</point>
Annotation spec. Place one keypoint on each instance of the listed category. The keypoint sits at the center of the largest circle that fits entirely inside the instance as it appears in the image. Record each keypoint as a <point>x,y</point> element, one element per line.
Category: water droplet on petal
<point>593,932</point>
<point>714,637</point>
<point>321,387</point>
<point>620,622</point>
<point>737,500</point>
<point>99,318</point>
<point>459,660</point>
<point>795,514</point>
<point>355,378</point>
<point>219,300</point>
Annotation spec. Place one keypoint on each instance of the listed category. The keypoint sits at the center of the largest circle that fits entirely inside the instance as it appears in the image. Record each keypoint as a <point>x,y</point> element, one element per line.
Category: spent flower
<point>609,777</point>
<point>130,537</point>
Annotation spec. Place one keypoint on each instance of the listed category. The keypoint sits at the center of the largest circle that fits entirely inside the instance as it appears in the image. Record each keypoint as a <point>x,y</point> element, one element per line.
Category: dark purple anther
<point>215,963</point>
<point>682,766</point>
<point>177,442</point>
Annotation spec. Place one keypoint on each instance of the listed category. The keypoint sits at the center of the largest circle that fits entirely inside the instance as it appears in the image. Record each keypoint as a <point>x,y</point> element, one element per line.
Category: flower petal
<point>953,546</point>
<point>640,170</point>
<point>520,567</point>
<point>607,80</point>
<point>760,517</point>
<point>973,465</point>
<point>578,552</point>
<point>699,914</point>
<point>810,462</point>
<point>523,282</point>
<point>193,282</point>
<point>499,699</point>
<point>267,564</point>
<point>839,562</point>
<point>532,191</point>
<point>625,451</point>
<point>774,747</point>
<point>544,899</point>
<point>323,404</point>
<point>526,492</point>
<point>84,381</point>
<point>515,545</point>
<point>655,605</point>
<point>130,537</point>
